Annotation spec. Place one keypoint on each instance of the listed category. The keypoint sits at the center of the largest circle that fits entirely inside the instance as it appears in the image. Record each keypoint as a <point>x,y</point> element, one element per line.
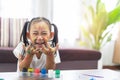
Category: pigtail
<point>55,39</point>
<point>23,36</point>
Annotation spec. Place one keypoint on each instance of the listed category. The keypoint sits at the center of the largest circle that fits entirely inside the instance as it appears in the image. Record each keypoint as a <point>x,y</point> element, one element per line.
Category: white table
<point>104,74</point>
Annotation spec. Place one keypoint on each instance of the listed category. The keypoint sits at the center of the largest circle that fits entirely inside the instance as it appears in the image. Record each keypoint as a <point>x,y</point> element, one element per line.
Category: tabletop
<point>92,74</point>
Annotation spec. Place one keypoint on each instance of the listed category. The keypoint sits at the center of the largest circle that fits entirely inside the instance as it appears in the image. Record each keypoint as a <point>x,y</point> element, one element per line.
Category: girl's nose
<point>40,37</point>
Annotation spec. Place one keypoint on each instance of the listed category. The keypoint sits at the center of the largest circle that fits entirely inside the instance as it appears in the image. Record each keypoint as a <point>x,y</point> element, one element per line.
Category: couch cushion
<point>77,65</point>
<point>7,56</point>
<point>68,54</point>
<point>8,67</point>
<point>76,58</point>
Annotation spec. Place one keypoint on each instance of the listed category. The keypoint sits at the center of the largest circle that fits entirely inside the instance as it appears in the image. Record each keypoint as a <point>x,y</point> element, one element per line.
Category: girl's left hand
<point>47,49</point>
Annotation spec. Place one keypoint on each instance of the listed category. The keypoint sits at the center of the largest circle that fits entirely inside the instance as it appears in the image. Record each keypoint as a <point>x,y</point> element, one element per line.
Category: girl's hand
<point>47,49</point>
<point>31,49</point>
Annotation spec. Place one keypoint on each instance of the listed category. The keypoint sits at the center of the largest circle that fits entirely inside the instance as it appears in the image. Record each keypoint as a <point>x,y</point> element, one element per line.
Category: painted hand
<point>48,50</point>
<point>31,49</point>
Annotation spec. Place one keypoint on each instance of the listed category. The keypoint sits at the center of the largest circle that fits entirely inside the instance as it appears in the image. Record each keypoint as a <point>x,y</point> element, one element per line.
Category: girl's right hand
<point>29,49</point>
<point>32,50</point>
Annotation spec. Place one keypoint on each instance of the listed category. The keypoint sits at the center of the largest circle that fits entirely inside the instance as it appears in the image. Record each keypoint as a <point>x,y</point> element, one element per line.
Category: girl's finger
<point>54,48</point>
<point>44,49</point>
<point>30,49</point>
<point>45,41</point>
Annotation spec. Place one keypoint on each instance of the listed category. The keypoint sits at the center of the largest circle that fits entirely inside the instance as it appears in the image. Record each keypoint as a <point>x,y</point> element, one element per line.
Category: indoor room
<point>83,37</point>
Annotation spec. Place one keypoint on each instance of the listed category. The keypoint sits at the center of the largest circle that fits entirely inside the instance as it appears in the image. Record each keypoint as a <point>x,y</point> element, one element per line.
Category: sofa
<point>77,58</point>
<point>8,62</point>
<point>70,59</point>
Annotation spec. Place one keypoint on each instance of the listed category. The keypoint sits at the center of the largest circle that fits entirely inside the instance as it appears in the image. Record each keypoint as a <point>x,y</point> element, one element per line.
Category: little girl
<point>35,50</point>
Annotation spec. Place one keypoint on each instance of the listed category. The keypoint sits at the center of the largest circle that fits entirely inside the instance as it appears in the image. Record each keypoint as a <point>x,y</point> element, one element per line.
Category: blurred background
<point>92,24</point>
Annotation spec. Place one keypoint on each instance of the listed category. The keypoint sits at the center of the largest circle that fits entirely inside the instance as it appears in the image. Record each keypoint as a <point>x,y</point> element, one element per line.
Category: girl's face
<point>39,34</point>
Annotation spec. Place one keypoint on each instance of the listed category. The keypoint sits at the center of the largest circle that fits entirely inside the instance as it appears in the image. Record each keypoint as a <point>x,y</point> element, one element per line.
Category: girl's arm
<point>24,62</point>
<point>50,58</point>
<point>50,61</point>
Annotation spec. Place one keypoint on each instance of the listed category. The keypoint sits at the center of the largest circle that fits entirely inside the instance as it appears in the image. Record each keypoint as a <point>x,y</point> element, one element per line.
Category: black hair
<point>27,25</point>
<point>23,36</point>
<point>55,38</point>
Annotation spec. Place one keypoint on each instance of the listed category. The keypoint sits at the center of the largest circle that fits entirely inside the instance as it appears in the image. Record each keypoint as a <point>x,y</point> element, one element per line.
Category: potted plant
<point>98,21</point>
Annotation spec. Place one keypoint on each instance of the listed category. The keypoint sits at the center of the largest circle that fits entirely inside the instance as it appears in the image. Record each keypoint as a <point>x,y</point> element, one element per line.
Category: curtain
<point>11,24</point>
<point>42,8</point>
<point>26,8</point>
<point>10,30</point>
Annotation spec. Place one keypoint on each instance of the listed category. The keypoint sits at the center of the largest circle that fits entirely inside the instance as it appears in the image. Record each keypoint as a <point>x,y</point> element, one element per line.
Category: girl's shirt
<point>36,63</point>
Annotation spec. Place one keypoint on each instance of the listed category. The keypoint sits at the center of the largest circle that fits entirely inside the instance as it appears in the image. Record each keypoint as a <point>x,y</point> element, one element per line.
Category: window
<point>68,16</point>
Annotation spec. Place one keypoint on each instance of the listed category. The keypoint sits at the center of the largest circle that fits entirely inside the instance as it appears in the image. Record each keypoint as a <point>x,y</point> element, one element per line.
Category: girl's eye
<point>34,33</point>
<point>44,33</point>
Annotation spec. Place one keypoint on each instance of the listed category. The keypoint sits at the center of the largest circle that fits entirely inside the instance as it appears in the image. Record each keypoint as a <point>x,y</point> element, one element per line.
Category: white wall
<point>108,50</point>
<point>107,53</point>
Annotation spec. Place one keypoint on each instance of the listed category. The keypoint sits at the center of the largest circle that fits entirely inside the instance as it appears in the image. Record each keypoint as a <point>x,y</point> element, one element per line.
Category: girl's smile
<point>39,44</point>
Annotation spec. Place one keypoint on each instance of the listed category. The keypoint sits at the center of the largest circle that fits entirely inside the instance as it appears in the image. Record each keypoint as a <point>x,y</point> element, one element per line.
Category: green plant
<point>98,21</point>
